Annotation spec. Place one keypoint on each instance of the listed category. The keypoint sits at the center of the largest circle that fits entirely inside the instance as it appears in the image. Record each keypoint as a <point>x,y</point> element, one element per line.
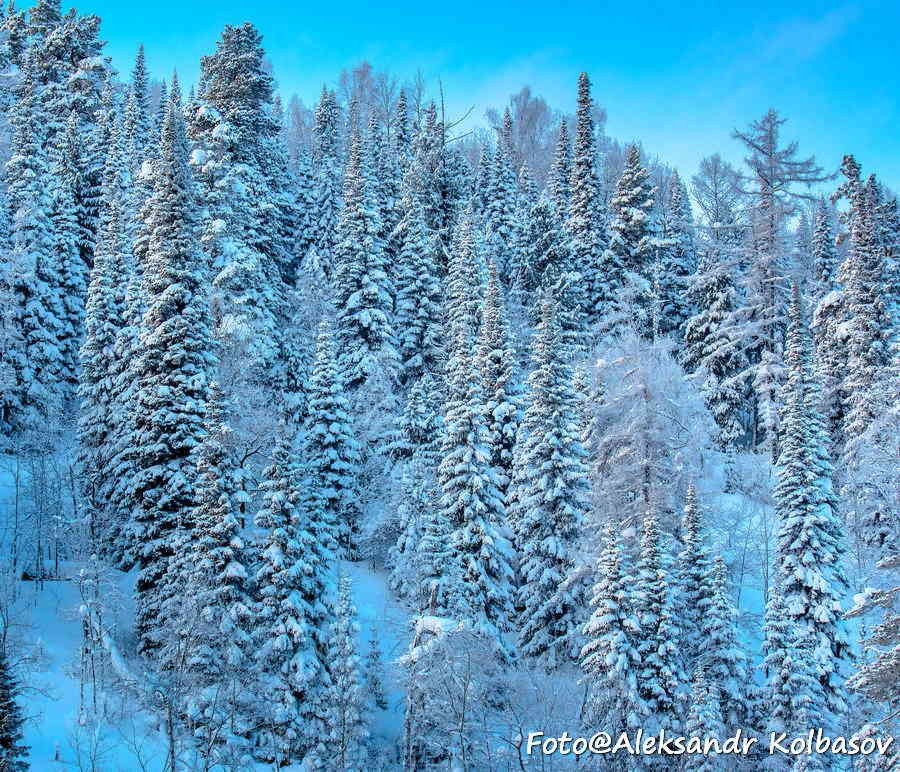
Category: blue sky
<point>678,75</point>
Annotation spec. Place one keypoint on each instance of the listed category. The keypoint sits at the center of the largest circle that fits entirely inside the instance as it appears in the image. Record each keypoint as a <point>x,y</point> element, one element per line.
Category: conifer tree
<point>501,211</point>
<point>676,262</point>
<point>499,390</point>
<point>694,578</point>
<point>631,245</point>
<point>829,344</point>
<point>610,659</point>
<point>373,671</point>
<point>541,247</point>
<point>365,329</point>
<point>218,554</point>
<point>561,173</point>
<point>345,750</point>
<point>710,351</point>
<point>479,575</point>
<point>866,318</point>
<point>550,501</point>
<point>419,294</point>
<point>291,612</point>
<point>585,218</point>
<point>332,450</point>
<point>704,720</point>
<point>12,750</point>
<point>660,679</point>
<point>326,165</point>
<point>171,371</point>
<point>137,121</point>
<point>38,362</point>
<point>774,172</point>
<point>811,541</point>
<point>723,659</point>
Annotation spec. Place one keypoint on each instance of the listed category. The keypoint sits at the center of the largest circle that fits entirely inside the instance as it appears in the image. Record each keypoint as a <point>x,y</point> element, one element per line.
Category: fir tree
<point>704,720</point>
<point>171,371</point>
<point>631,245</point>
<point>811,542</point>
<point>561,173</point>
<point>500,394</point>
<point>660,678</point>
<point>365,329</point>
<point>865,315</point>
<point>373,671</point>
<point>676,262</point>
<point>470,500</point>
<point>332,450</point>
<point>550,502</point>
<point>419,295</point>
<point>291,613</point>
<point>694,578</point>
<point>12,751</point>
<point>610,658</point>
<point>585,221</point>
<point>710,351</point>
<point>344,702</point>
<point>723,659</point>
<point>218,554</point>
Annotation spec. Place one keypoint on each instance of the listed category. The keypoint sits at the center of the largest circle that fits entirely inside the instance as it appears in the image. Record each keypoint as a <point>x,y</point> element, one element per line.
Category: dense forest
<point>351,437</point>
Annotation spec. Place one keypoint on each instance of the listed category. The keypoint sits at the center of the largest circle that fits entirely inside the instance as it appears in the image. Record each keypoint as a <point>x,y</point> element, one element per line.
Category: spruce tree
<point>561,173</point>
<point>365,325</point>
<point>866,318</point>
<point>585,218</point>
<point>631,245</point>
<point>470,501</point>
<point>660,678</point>
<point>549,502</point>
<point>704,720</point>
<point>610,659</point>
<point>419,294</point>
<point>694,579</point>
<point>12,751</point>
<point>723,658</point>
<point>811,541</point>
<point>676,263</point>
<point>495,363</point>
<point>710,351</point>
<point>373,671</point>
<point>171,371</point>
<point>219,555</point>
<point>345,749</point>
<point>332,452</point>
<point>829,343</point>
<point>291,611</point>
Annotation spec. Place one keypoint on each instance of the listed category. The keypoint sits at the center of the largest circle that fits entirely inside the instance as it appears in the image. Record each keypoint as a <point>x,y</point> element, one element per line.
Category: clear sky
<point>678,75</point>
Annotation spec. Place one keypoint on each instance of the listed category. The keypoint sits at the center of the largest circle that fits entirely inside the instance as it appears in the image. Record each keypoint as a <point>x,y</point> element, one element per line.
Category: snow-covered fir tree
<point>661,679</point>
<point>470,500</point>
<point>365,324</point>
<point>631,244</point>
<point>289,632</point>
<point>811,541</point>
<point>171,372</point>
<point>710,351</point>
<point>331,451</point>
<point>345,713</point>
<point>610,658</point>
<point>585,223</point>
<point>548,503</point>
<point>704,719</point>
<point>12,749</point>
<point>723,658</point>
